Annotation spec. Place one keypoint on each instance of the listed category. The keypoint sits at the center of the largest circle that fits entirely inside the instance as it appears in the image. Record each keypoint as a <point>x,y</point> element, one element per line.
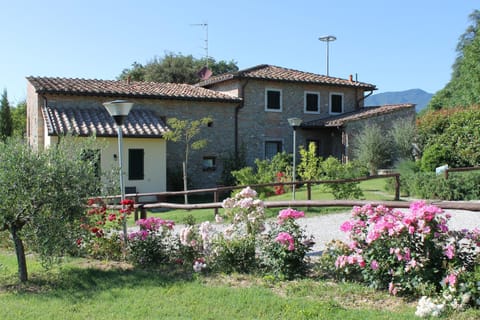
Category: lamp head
<point>119,110</point>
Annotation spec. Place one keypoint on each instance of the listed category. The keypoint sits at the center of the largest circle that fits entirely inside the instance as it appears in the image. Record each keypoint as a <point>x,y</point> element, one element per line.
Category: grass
<point>83,289</point>
<point>373,190</point>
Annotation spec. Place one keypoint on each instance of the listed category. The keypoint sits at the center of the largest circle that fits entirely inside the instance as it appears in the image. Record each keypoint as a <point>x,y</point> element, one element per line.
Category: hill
<point>416,96</point>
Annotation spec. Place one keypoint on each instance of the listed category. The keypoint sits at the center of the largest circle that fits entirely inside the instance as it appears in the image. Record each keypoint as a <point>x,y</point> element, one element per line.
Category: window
<point>336,103</point>
<point>273,100</point>
<point>312,102</point>
<point>209,163</point>
<point>136,164</point>
<point>272,148</point>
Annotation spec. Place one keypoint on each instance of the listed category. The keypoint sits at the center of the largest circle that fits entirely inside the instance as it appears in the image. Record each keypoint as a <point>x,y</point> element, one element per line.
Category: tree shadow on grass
<point>77,282</point>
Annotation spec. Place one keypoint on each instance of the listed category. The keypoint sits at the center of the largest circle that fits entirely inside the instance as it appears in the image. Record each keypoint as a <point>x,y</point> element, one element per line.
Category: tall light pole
<point>119,110</point>
<point>294,123</point>
<point>327,39</point>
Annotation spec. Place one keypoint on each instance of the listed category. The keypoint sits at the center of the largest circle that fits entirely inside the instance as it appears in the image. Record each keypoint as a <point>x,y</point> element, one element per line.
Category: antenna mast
<point>205,25</point>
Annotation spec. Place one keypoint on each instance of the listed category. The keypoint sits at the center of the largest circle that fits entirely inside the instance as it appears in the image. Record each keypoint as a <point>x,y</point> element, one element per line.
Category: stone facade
<point>256,125</point>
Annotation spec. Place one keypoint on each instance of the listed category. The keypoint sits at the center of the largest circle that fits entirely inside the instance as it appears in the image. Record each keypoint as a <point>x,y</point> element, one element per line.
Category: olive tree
<point>373,147</point>
<point>42,193</point>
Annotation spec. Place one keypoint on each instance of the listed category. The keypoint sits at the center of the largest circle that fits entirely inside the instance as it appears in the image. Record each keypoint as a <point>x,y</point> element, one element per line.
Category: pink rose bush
<point>408,251</point>
<point>285,246</point>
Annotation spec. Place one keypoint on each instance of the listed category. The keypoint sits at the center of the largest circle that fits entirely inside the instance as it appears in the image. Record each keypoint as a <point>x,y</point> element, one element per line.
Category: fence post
<point>215,199</point>
<point>446,174</point>
<point>143,212</point>
<point>309,191</point>
<point>397,187</point>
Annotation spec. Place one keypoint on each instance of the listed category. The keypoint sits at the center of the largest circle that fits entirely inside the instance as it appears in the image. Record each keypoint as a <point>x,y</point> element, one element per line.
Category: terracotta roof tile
<point>114,88</point>
<point>269,72</point>
<point>368,112</point>
<point>61,120</point>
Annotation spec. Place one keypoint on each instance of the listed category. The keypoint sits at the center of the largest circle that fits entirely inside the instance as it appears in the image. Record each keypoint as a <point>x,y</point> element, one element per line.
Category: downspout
<point>362,98</point>
<point>237,110</point>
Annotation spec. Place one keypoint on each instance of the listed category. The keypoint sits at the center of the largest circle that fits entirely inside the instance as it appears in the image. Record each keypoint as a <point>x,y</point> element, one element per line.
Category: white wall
<point>155,161</point>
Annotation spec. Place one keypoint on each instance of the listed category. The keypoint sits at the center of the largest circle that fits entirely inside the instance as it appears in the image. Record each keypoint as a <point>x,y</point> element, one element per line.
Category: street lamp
<point>119,110</point>
<point>294,123</point>
<point>327,39</point>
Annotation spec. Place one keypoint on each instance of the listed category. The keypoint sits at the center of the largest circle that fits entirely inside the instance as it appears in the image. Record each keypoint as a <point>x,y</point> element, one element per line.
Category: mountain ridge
<point>418,97</point>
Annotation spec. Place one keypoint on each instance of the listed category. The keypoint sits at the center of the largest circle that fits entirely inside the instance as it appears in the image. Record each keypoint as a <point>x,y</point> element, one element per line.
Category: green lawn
<point>83,289</point>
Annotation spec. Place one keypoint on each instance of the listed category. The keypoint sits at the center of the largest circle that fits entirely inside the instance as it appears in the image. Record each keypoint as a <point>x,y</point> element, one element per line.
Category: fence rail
<point>448,170</point>
<point>141,208</point>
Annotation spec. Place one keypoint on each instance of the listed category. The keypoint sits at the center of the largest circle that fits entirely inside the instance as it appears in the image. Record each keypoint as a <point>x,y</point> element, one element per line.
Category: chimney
<point>129,78</point>
<point>351,78</point>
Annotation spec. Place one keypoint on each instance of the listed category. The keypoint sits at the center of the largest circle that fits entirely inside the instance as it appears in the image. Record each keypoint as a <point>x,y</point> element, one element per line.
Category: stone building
<point>249,108</point>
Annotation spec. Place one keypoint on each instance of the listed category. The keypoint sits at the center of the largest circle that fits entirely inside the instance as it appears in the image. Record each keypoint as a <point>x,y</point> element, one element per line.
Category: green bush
<point>427,185</point>
<point>434,156</point>
<point>333,169</point>
<point>265,171</point>
<point>284,248</point>
<point>236,254</point>
<point>374,148</point>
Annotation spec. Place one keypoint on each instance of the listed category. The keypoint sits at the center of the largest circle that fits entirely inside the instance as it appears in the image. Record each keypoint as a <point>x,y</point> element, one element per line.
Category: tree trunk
<point>20,252</point>
<point>185,181</point>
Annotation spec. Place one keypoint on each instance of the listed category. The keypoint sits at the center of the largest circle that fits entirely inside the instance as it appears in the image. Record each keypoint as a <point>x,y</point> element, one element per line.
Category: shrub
<point>373,148</point>
<point>234,254</point>
<point>153,244</point>
<point>406,252</point>
<point>434,156</point>
<point>309,166</point>
<point>403,136</point>
<point>333,169</point>
<point>265,172</point>
<point>284,247</point>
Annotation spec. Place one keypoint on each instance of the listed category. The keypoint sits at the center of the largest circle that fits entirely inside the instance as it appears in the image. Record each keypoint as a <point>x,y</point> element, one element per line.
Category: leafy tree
<point>175,68</point>
<point>41,195</point>
<point>463,89</point>
<point>450,136</point>
<point>373,148</point>
<point>6,124</point>
<point>185,132</point>
<point>19,119</point>
<point>403,136</point>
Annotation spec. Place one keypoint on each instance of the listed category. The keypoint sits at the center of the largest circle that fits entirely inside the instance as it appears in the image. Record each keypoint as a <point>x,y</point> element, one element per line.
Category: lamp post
<point>294,123</point>
<point>327,39</point>
<point>119,110</point>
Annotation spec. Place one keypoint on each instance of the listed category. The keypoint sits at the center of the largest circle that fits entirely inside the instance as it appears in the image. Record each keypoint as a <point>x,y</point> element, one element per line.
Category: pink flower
<point>374,265</point>
<point>451,279</point>
<point>449,251</point>
<point>392,289</point>
<point>289,213</point>
<point>347,226</point>
<point>284,238</point>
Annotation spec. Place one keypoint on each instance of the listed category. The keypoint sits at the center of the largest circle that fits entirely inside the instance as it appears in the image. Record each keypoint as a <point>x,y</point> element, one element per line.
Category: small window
<point>209,163</point>
<point>273,100</point>
<point>336,103</point>
<point>312,102</point>
<point>210,124</point>
<point>136,164</point>
<point>272,148</point>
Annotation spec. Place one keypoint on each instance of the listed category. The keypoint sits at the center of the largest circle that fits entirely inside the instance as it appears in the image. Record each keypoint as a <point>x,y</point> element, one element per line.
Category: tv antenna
<point>204,25</point>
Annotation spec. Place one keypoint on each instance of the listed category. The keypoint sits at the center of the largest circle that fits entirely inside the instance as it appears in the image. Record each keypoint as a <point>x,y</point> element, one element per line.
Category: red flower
<point>79,241</point>
<point>127,202</point>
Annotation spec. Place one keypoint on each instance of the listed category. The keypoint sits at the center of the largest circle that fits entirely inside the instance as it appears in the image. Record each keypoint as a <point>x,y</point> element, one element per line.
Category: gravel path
<point>327,227</point>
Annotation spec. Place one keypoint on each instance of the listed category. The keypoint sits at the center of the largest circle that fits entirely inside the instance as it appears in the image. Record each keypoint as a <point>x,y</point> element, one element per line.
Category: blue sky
<point>396,45</point>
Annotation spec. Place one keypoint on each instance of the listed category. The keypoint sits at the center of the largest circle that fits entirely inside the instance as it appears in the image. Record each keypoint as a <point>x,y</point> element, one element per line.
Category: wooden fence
<point>141,208</point>
<point>448,170</point>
